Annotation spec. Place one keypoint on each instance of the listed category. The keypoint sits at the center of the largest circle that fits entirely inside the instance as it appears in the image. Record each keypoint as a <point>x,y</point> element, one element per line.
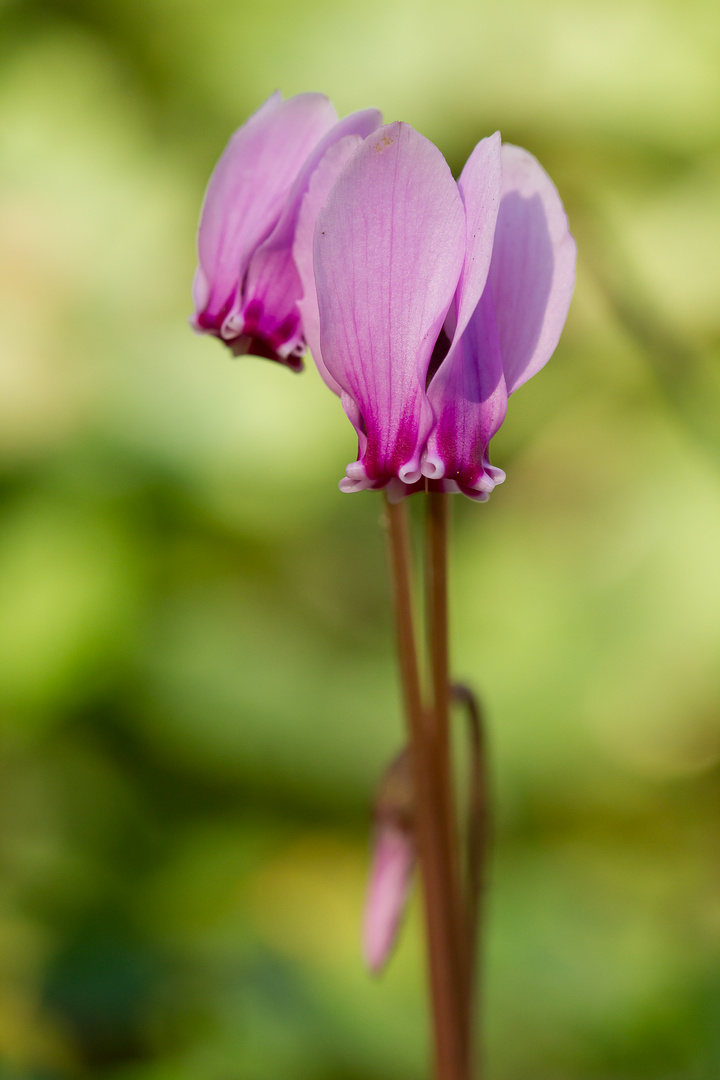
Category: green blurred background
<point>197,690</point>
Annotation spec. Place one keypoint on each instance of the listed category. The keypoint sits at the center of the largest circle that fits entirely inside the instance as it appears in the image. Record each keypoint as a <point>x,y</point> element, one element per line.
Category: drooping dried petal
<point>389,249</point>
<point>390,879</point>
<point>532,271</point>
<point>246,195</point>
<point>392,863</point>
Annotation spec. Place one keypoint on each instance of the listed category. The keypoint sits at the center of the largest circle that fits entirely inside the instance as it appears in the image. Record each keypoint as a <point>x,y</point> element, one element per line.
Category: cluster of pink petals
<point>246,288</point>
<point>425,302</point>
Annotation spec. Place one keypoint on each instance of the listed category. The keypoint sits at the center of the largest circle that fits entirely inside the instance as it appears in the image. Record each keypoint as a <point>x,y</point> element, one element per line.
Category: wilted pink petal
<point>389,248</point>
<point>246,195</point>
<point>532,271</point>
<point>388,890</point>
<point>267,307</point>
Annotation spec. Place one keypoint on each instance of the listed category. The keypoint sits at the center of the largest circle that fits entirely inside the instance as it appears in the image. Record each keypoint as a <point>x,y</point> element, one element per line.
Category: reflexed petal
<point>390,878</point>
<point>389,248</point>
<point>268,307</point>
<point>532,269</point>
<point>315,198</point>
<point>469,400</point>
<point>480,185</point>
<point>467,393</point>
<point>246,194</point>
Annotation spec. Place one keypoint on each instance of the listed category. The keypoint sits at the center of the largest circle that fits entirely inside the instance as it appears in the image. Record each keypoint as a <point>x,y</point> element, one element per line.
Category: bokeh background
<point>197,691</point>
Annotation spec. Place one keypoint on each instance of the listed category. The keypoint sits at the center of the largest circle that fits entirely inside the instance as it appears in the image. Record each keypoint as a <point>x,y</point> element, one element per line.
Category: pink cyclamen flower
<point>435,301</point>
<point>246,288</point>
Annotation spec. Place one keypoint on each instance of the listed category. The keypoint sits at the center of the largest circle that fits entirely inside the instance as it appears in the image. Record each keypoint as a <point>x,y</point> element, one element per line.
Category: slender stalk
<point>478,834</point>
<point>446,983</point>
<point>436,566</point>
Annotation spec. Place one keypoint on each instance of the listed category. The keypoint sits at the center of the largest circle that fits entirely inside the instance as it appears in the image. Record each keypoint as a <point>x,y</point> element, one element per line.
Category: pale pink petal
<point>389,248</point>
<point>315,198</point>
<point>509,335</point>
<point>467,393</point>
<point>388,890</point>
<point>469,400</point>
<point>268,306</point>
<point>247,192</point>
<point>480,185</point>
<point>532,269</point>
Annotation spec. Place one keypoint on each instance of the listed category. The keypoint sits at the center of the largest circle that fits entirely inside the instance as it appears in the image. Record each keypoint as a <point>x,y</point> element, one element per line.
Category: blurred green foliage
<point>197,687</point>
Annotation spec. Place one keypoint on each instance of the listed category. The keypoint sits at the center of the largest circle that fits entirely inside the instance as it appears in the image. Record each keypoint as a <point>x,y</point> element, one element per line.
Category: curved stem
<point>478,831</point>
<point>431,803</point>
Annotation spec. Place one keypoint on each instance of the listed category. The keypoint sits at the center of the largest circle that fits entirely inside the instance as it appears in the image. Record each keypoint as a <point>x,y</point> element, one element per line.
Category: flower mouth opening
<point>247,333</point>
<point>248,345</point>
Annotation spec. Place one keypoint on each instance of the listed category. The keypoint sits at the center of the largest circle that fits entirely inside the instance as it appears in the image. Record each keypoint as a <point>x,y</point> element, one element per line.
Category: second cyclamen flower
<point>246,288</point>
<point>436,300</point>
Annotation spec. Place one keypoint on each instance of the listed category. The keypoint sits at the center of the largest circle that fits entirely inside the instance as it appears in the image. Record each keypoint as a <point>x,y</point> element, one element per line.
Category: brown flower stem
<point>431,806</point>
<point>478,834</point>
<point>436,568</point>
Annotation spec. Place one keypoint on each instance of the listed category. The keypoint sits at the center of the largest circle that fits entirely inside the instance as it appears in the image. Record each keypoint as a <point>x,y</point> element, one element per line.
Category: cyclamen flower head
<point>246,288</point>
<point>435,301</point>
